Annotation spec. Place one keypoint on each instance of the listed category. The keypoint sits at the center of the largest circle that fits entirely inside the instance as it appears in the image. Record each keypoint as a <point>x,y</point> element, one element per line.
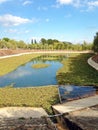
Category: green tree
<point>43,41</point>
<point>32,41</point>
<point>6,39</point>
<point>95,43</point>
<point>3,44</point>
<point>50,41</point>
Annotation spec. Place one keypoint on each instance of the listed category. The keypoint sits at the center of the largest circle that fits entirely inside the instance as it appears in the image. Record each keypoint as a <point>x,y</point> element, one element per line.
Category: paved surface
<point>93,63</point>
<point>18,112</point>
<point>76,105</point>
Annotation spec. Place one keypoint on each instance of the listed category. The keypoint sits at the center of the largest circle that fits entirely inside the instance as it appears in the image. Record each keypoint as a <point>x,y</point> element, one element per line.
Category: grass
<point>40,65</point>
<point>34,97</point>
<point>76,71</point>
<point>9,64</point>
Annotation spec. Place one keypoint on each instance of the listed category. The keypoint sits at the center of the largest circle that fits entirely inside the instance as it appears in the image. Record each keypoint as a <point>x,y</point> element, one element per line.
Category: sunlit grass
<point>34,97</point>
<point>76,71</point>
<point>40,65</point>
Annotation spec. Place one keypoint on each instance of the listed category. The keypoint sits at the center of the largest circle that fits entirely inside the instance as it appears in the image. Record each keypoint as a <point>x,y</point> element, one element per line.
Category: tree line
<point>44,44</point>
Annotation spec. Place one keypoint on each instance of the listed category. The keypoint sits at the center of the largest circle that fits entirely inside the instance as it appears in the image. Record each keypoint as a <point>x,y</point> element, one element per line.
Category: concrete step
<point>76,105</point>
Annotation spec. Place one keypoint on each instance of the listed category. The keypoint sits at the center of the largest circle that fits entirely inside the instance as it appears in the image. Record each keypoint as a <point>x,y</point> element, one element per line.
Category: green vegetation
<point>76,71</point>
<point>52,57</point>
<point>9,64</point>
<point>95,43</point>
<point>34,97</point>
<point>40,65</point>
<point>44,44</point>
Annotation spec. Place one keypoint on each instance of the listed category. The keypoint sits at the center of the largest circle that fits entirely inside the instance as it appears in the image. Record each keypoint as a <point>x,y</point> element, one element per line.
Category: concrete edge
<point>18,112</point>
<point>92,63</point>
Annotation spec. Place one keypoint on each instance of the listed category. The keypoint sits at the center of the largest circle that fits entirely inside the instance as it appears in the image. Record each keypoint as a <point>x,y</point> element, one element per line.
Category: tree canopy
<point>46,44</point>
<point>95,43</point>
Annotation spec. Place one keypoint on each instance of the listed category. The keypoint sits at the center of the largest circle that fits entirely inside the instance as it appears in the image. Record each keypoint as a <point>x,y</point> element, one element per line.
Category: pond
<point>26,76</point>
<point>72,92</point>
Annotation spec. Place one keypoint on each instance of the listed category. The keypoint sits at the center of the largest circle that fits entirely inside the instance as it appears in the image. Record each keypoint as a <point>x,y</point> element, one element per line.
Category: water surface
<point>26,76</point>
<point>71,92</point>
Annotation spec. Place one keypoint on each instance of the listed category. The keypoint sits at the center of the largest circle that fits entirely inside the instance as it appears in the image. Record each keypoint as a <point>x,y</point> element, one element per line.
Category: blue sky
<point>65,20</point>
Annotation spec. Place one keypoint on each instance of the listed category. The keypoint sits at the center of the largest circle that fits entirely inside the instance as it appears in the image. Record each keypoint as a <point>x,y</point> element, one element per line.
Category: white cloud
<point>11,30</point>
<point>64,1</point>
<point>42,8</point>
<point>17,31</point>
<point>90,5</point>
<point>75,3</point>
<point>78,3</point>
<point>10,20</point>
<point>93,3</point>
<point>27,2</point>
<point>2,1</point>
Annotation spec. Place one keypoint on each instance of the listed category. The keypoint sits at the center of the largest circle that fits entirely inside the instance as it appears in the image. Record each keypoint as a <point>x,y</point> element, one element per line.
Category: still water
<point>26,76</point>
<point>71,92</point>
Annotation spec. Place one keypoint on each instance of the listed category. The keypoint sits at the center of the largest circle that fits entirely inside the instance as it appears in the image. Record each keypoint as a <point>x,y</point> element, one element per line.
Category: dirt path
<point>21,52</point>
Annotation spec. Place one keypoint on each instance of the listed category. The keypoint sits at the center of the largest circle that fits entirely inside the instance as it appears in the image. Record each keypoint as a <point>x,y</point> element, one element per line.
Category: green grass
<point>76,71</point>
<point>9,64</point>
<point>34,97</point>
<point>40,65</point>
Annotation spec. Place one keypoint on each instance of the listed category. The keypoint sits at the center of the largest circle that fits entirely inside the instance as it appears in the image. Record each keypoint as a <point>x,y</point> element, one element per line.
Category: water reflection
<point>70,92</point>
<point>26,76</point>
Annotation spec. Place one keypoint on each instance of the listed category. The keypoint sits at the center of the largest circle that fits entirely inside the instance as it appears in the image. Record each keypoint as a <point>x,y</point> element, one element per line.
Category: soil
<point>86,119</point>
<point>95,58</point>
<point>6,52</point>
<point>26,124</point>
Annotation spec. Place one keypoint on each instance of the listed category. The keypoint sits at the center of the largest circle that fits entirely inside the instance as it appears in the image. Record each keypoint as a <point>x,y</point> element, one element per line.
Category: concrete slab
<point>18,112</point>
<point>76,105</point>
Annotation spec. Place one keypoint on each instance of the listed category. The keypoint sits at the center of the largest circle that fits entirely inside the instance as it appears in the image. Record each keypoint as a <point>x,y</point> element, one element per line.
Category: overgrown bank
<point>34,97</point>
<point>76,71</point>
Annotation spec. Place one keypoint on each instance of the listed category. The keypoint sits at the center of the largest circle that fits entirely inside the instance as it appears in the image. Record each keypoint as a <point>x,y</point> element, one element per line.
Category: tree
<point>6,39</point>
<point>35,41</point>
<point>95,43</point>
<point>31,41</point>
<point>49,41</point>
<point>21,44</point>
<point>43,41</point>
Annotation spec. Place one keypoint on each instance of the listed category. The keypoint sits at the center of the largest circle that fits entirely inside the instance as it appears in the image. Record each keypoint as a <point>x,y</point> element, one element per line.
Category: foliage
<point>34,97</point>
<point>95,43</point>
<point>76,71</point>
<point>40,65</point>
<point>44,44</point>
<point>9,64</point>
